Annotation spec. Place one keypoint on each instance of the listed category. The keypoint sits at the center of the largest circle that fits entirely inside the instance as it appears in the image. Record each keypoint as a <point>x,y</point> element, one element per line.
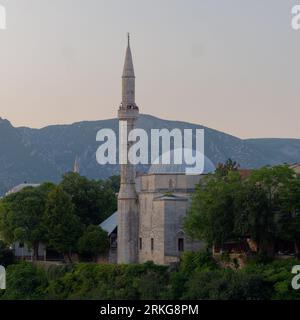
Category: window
<point>171,185</point>
<point>141,243</point>
<point>152,244</point>
<point>181,244</point>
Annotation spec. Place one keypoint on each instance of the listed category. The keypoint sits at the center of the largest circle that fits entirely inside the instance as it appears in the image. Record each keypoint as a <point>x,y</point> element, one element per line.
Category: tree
<point>226,284</point>
<point>264,207</point>
<point>25,281</point>
<point>113,183</point>
<point>94,200</point>
<point>224,168</point>
<point>22,216</point>
<point>254,217</point>
<point>211,216</point>
<point>289,216</point>
<point>261,206</point>
<point>93,242</point>
<point>63,226</point>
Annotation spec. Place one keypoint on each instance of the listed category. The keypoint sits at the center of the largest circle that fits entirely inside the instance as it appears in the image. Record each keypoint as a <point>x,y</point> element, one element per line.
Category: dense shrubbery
<point>277,276</point>
<point>197,277</point>
<point>25,281</point>
<point>86,281</point>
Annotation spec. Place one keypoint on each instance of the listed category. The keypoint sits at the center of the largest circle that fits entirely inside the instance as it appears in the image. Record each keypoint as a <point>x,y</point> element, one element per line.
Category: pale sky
<point>232,65</point>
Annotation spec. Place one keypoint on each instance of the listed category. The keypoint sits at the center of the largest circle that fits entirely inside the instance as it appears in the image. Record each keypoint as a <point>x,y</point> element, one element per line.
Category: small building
<point>22,252</point>
<point>110,225</point>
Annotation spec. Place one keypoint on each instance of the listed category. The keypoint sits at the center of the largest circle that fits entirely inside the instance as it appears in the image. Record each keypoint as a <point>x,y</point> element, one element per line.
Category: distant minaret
<point>127,197</point>
<point>76,167</point>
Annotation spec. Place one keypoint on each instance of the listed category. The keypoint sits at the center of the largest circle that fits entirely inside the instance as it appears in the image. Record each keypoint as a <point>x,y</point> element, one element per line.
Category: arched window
<point>180,241</point>
<point>180,244</point>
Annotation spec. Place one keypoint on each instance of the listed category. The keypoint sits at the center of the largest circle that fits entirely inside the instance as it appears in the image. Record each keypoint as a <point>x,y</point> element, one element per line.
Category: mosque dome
<point>173,168</point>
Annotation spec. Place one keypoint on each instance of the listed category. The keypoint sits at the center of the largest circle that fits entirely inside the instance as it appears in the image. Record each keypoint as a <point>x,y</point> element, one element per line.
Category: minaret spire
<point>128,71</point>
<point>128,80</point>
<point>128,222</point>
<point>76,168</point>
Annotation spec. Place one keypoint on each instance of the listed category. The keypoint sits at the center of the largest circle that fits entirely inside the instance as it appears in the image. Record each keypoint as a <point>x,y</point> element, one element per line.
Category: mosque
<point>148,225</point>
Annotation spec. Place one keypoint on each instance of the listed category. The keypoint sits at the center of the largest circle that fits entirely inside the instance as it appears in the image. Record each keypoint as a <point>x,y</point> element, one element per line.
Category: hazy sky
<point>232,65</point>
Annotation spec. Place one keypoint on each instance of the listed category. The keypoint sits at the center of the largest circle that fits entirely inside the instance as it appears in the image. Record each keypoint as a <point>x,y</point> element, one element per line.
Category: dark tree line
<point>65,217</point>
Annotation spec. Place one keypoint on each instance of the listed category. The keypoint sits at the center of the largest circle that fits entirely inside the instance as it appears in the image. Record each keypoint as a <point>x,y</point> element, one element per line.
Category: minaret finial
<point>128,37</point>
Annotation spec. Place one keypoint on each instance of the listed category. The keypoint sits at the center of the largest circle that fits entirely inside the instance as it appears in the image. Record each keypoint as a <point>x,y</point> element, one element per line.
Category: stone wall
<point>163,203</point>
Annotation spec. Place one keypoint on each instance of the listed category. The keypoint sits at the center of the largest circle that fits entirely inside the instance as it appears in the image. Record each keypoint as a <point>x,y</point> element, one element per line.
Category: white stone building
<point>148,225</point>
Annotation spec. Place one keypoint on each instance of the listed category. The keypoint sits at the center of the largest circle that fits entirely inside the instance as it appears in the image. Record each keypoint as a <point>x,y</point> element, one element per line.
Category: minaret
<point>76,167</point>
<point>127,197</point>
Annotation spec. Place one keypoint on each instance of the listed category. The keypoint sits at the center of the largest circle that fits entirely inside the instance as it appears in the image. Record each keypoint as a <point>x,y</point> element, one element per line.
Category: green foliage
<point>25,281</point>
<point>94,200</point>
<point>94,241</point>
<point>63,226</point>
<point>92,281</point>
<point>192,261</point>
<point>260,207</point>
<point>254,215</point>
<point>289,216</point>
<point>225,284</point>
<point>198,277</point>
<point>264,207</point>
<point>112,183</point>
<point>211,216</point>
<point>278,277</point>
<point>225,206</point>
<point>22,216</point>
<point>223,169</point>
<point>58,215</point>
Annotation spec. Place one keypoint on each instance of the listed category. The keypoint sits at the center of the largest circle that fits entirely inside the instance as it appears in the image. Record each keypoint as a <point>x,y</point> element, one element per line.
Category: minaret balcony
<point>130,111</point>
<point>131,106</point>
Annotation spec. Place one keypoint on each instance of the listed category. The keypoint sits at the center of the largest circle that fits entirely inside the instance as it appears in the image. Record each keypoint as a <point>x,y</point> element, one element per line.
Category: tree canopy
<point>22,216</point>
<point>264,207</point>
<point>93,242</point>
<point>59,215</point>
<point>63,226</point>
<point>94,200</point>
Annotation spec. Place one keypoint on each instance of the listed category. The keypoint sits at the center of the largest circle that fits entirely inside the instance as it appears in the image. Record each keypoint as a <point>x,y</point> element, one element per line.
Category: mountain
<point>36,155</point>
